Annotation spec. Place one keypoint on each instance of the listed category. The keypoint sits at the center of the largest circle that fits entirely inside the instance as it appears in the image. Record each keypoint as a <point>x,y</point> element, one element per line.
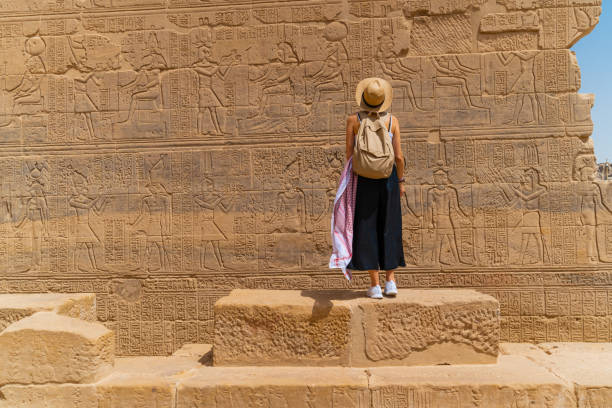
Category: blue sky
<point>594,54</point>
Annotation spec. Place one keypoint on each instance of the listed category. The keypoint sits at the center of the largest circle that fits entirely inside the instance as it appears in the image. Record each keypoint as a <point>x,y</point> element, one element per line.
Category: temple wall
<point>162,152</point>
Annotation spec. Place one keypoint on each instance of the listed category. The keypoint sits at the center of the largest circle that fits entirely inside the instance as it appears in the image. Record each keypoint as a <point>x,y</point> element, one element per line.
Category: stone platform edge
<point>526,375</point>
<point>344,328</point>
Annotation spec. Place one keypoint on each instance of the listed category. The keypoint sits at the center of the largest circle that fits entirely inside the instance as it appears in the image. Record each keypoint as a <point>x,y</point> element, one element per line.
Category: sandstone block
<point>47,347</point>
<point>295,387</point>
<point>49,396</point>
<point>421,327</point>
<point>14,307</point>
<point>261,327</point>
<point>513,382</point>
<point>255,327</point>
<point>588,366</point>
<point>135,391</point>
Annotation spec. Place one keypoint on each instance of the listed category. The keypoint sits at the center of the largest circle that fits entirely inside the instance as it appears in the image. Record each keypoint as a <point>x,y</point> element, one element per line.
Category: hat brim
<point>363,84</point>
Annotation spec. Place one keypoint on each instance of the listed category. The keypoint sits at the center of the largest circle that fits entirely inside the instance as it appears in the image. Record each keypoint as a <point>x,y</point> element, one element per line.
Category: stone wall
<point>162,152</point>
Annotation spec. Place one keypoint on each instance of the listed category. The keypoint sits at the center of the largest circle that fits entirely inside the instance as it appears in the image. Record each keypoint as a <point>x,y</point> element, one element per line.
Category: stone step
<point>176,382</point>
<point>14,307</point>
<point>297,328</point>
<point>50,348</point>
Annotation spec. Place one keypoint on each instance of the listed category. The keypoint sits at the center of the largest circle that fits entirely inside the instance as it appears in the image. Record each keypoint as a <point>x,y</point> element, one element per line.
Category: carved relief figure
<point>527,200</point>
<point>289,213</point>
<point>144,88</point>
<point>211,234</point>
<point>450,72</point>
<point>207,68</point>
<point>525,85</point>
<point>330,76</point>
<point>442,203</point>
<point>83,203</point>
<point>28,91</point>
<point>591,202</point>
<point>154,210</point>
<point>279,77</point>
<point>153,57</point>
<point>36,210</point>
<point>83,104</point>
<point>401,76</point>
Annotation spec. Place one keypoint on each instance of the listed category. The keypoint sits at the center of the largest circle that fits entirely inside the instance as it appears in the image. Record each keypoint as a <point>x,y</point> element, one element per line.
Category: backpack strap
<point>390,122</point>
<point>358,117</point>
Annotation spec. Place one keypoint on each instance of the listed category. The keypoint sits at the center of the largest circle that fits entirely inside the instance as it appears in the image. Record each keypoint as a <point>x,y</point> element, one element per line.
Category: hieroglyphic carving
<point>201,142</point>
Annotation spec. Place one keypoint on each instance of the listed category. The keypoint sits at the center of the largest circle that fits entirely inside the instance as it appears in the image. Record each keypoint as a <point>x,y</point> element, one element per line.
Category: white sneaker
<point>375,292</point>
<point>390,288</point>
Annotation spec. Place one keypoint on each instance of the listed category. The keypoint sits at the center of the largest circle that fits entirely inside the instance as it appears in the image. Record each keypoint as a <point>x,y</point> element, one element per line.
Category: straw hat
<point>374,95</point>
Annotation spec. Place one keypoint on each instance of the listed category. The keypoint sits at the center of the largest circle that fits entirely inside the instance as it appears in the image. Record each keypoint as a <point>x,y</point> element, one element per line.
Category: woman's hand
<point>402,188</point>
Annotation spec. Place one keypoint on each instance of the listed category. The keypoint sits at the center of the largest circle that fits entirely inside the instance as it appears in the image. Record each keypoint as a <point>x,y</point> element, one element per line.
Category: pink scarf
<point>342,221</point>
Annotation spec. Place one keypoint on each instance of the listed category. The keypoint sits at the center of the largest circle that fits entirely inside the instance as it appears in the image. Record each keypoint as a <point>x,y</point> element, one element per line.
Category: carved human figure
<point>330,77</point>
<point>413,221</point>
<point>145,87</point>
<point>153,57</point>
<point>83,204</point>
<point>83,104</point>
<point>36,210</point>
<point>289,213</point>
<point>207,68</point>
<point>525,85</point>
<point>155,209</point>
<point>279,77</point>
<point>591,202</point>
<point>28,91</point>
<point>527,200</point>
<point>442,203</point>
<point>450,72</point>
<point>401,75</point>
<point>211,234</point>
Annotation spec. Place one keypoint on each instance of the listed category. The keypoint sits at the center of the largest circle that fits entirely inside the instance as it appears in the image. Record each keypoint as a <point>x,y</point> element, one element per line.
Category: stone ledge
<point>588,366</point>
<point>180,382</point>
<point>47,347</point>
<point>419,327</point>
<point>513,382</point>
<point>295,387</point>
<point>14,307</point>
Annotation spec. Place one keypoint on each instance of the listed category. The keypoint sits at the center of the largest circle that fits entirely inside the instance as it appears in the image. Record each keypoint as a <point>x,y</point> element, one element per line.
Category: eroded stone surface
<point>513,382</point>
<point>49,396</point>
<point>51,348</point>
<point>588,366</point>
<point>430,327</point>
<point>14,307</point>
<point>275,387</point>
<point>254,327</point>
<point>259,327</point>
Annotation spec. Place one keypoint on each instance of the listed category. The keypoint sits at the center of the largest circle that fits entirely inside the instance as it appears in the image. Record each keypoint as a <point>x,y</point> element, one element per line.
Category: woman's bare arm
<point>397,148</point>
<point>351,124</point>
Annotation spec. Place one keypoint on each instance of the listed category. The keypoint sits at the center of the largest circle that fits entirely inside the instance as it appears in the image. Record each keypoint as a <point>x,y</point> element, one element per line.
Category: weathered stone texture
<point>280,328</point>
<point>430,327</point>
<point>263,327</point>
<point>14,307</point>
<point>275,387</point>
<point>160,153</point>
<point>587,366</point>
<point>50,348</point>
<point>514,382</point>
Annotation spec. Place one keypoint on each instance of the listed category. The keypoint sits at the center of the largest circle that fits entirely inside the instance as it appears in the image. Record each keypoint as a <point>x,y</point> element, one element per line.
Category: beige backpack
<point>373,155</point>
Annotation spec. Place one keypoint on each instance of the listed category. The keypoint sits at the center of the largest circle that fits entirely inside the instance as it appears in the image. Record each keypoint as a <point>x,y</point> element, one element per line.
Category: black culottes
<point>377,227</point>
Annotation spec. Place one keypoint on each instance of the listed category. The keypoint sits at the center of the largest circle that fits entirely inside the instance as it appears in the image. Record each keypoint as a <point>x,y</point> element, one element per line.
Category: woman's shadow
<point>324,300</point>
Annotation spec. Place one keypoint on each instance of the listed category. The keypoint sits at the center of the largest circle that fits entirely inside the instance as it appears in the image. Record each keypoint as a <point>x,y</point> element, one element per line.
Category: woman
<point>377,224</point>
